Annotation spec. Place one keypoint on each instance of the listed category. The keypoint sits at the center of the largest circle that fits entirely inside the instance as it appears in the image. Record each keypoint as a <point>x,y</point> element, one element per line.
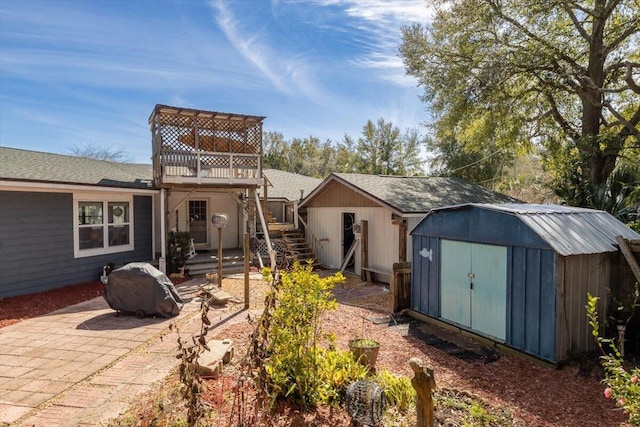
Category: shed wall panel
<point>532,303</point>
<point>425,276</point>
<point>336,194</point>
<point>532,295</point>
<point>37,235</point>
<point>383,236</point>
<point>516,327</point>
<point>579,275</point>
<point>547,305</point>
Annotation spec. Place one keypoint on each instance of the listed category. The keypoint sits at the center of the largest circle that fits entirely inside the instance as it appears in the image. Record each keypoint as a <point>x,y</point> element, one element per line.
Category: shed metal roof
<point>568,230</point>
<point>35,166</point>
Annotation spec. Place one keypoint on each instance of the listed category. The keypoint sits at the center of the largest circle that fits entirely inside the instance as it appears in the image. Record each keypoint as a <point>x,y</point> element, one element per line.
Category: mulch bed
<point>534,395</point>
<point>15,309</point>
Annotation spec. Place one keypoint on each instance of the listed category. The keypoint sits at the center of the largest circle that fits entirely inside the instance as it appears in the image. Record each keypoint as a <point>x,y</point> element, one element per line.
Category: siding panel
<point>36,243</point>
<point>518,286</point>
<point>532,304</point>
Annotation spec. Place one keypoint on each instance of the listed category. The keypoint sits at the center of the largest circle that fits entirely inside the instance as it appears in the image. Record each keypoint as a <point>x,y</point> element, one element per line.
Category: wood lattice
<point>220,133</point>
<point>186,141</point>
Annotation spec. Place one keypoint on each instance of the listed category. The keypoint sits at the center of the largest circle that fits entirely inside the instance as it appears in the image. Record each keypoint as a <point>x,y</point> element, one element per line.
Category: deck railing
<point>206,167</point>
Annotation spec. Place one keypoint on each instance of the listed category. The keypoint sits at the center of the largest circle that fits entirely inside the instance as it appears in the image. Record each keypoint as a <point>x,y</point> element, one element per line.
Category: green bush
<point>397,389</point>
<point>298,367</point>
<point>179,242</point>
<point>336,370</point>
<point>622,384</point>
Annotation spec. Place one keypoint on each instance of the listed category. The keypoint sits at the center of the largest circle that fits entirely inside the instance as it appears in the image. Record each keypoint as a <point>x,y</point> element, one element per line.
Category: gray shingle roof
<point>569,230</point>
<point>35,166</point>
<point>287,185</point>
<point>414,194</point>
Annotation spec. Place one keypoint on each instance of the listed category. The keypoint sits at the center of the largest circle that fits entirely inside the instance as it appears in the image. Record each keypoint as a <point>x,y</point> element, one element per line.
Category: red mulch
<point>15,309</point>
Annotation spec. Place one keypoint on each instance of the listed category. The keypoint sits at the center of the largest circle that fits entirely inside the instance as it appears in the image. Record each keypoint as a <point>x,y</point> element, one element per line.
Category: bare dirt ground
<point>533,395</point>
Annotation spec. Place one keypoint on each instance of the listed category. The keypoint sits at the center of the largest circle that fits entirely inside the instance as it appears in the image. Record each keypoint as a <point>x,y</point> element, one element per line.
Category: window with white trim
<point>102,226</point>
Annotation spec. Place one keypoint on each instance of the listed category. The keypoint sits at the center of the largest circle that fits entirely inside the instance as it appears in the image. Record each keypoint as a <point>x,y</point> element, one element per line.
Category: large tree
<point>505,75</point>
<point>383,149</point>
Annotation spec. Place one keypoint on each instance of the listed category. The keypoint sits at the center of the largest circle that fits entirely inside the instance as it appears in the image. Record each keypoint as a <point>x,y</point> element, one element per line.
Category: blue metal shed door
<point>473,286</point>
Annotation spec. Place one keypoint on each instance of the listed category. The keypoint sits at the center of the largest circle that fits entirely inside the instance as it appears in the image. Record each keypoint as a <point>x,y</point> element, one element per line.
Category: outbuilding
<point>517,274</point>
<point>390,206</point>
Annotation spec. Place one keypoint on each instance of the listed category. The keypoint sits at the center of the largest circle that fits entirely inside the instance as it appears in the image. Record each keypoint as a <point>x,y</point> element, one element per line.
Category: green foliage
<point>504,78</point>
<point>179,242</point>
<point>397,389</point>
<point>336,370</point>
<point>382,149</point>
<point>298,368</point>
<point>622,384</point>
<point>619,194</point>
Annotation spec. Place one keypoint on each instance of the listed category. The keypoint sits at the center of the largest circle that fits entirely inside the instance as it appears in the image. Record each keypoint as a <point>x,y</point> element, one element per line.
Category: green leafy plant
<point>298,367</point>
<point>179,241</point>
<point>336,370</point>
<point>397,389</point>
<point>622,384</point>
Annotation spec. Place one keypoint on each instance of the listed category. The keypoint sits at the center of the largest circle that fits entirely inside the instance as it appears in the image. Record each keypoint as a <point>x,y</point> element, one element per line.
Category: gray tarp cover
<point>139,286</point>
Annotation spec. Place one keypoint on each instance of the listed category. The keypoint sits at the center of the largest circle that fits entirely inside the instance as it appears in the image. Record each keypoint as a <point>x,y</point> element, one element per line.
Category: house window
<point>102,227</point>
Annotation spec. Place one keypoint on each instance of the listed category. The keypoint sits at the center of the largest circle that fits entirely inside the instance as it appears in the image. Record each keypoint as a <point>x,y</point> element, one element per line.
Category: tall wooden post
<point>402,249</point>
<point>364,249</point>
<point>220,220</point>
<point>246,270</point>
<point>220,257</point>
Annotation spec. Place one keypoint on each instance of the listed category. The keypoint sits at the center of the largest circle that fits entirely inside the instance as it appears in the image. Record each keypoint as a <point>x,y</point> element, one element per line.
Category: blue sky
<point>90,72</point>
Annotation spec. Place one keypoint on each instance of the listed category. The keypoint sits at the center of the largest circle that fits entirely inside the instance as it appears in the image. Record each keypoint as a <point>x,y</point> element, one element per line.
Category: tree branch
<point>631,129</point>
<point>498,10</point>
<point>633,28</point>
<point>629,76</point>
<point>577,23</point>
<point>557,116</point>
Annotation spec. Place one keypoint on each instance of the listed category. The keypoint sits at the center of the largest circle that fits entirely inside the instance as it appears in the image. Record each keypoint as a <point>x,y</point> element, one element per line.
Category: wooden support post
<point>364,250</point>
<point>401,286</point>
<point>423,382</point>
<point>220,257</point>
<point>246,270</point>
<point>402,249</point>
<point>626,251</point>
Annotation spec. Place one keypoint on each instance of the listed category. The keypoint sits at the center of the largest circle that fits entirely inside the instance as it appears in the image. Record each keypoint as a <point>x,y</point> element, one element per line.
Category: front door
<point>198,222</point>
<point>473,286</point>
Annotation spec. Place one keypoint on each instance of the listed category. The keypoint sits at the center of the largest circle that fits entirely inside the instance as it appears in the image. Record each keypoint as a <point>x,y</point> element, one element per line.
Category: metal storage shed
<point>517,274</point>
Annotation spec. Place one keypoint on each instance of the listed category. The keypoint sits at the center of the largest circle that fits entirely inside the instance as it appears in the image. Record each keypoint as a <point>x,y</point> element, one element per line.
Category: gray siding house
<point>62,218</point>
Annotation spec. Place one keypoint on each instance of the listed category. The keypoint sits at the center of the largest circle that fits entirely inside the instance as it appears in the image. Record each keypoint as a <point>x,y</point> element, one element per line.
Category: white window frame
<point>105,199</point>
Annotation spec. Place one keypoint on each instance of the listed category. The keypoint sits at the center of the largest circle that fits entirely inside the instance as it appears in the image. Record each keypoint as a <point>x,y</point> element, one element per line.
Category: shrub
<point>622,385</point>
<point>294,336</point>
<point>398,390</point>
<point>179,242</point>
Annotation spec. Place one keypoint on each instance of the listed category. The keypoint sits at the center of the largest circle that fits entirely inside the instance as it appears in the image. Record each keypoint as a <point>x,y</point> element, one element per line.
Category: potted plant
<point>178,253</point>
<point>365,351</point>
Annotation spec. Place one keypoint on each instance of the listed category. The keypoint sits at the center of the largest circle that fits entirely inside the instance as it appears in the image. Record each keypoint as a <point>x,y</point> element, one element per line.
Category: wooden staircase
<point>297,247</point>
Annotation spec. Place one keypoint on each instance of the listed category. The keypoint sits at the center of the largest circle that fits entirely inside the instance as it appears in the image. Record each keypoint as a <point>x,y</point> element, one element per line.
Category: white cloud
<point>380,21</point>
